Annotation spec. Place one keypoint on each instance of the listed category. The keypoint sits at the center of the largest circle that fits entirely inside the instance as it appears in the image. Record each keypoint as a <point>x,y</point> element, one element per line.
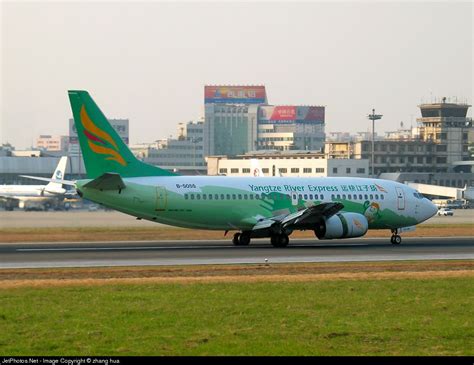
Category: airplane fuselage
<point>238,203</point>
<point>26,192</point>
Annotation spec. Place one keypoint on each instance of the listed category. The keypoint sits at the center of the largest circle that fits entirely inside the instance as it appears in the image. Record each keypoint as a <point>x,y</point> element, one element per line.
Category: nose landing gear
<point>396,239</point>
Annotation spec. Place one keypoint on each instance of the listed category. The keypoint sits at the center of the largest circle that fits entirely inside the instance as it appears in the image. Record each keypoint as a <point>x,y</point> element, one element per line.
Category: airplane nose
<point>428,209</point>
<point>431,209</point>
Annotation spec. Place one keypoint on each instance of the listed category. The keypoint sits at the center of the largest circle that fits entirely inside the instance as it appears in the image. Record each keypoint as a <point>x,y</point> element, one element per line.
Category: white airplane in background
<point>44,196</point>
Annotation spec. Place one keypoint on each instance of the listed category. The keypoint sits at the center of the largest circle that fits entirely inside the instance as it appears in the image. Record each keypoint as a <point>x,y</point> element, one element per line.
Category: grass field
<point>411,311</point>
<point>58,234</point>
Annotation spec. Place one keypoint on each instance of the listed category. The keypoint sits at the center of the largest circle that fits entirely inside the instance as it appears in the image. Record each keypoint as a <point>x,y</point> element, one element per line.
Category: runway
<point>80,254</point>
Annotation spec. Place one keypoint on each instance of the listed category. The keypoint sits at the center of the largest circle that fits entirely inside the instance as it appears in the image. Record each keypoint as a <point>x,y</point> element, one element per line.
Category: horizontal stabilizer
<point>107,181</point>
<point>64,182</point>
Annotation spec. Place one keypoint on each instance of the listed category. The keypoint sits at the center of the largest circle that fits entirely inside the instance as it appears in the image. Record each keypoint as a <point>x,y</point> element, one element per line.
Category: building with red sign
<point>231,117</point>
<point>290,127</point>
<point>238,120</point>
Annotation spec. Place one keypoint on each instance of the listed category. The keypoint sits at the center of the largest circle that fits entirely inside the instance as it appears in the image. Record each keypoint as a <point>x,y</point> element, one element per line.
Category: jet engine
<point>342,225</point>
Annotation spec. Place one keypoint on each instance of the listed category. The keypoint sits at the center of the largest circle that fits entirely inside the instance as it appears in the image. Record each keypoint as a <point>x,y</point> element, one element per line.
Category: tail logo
<point>100,141</point>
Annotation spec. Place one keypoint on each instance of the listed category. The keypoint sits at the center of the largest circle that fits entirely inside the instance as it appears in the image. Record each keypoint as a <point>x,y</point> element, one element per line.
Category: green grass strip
<point>346,317</point>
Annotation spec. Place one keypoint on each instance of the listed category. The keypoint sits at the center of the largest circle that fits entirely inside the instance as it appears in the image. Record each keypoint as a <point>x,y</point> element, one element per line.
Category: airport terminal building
<point>287,164</point>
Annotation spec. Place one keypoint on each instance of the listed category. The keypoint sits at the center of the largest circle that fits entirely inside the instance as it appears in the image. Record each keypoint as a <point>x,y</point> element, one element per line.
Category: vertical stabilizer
<point>58,175</point>
<point>102,148</point>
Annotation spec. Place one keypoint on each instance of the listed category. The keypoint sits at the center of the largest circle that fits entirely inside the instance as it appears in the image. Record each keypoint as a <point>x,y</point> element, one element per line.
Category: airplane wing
<point>107,181</point>
<point>306,218</point>
<point>64,182</point>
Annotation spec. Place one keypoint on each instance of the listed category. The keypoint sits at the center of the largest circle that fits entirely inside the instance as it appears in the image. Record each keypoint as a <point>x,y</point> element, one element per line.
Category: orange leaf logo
<point>99,139</point>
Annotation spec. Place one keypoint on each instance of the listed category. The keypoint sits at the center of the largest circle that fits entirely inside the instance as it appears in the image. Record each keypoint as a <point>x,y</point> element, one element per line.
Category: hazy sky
<point>149,61</point>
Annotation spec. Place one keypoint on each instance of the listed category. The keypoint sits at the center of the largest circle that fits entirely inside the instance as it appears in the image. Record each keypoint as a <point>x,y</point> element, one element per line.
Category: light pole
<point>373,117</point>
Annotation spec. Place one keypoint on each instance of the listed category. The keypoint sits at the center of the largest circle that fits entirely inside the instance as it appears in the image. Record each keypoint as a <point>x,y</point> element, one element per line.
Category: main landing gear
<point>241,239</point>
<point>277,240</point>
<point>395,239</point>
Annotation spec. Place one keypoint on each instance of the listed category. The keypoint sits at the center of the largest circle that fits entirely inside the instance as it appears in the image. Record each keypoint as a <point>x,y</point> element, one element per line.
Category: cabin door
<point>400,199</point>
<point>161,199</point>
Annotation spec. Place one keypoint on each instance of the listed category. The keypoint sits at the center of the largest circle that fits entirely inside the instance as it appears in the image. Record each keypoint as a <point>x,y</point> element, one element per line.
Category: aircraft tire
<point>244,239</point>
<point>396,239</point>
<point>279,240</point>
<point>235,240</point>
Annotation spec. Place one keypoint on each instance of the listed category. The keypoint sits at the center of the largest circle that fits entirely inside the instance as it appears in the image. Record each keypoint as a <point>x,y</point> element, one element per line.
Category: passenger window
<point>222,197</point>
<point>339,196</point>
<point>246,196</point>
<point>204,196</point>
<point>192,196</point>
<point>377,196</point>
<point>310,196</point>
<point>332,196</point>
<point>321,197</point>
<point>300,196</point>
<point>344,196</point>
<point>371,197</point>
<point>366,196</point>
<point>186,196</point>
<point>216,196</point>
<point>198,196</point>
<point>382,197</point>
<point>234,197</point>
<point>349,196</point>
<point>360,196</point>
<point>240,196</point>
<point>251,196</point>
<point>228,196</point>
<point>257,196</point>
<point>306,197</point>
<point>210,196</point>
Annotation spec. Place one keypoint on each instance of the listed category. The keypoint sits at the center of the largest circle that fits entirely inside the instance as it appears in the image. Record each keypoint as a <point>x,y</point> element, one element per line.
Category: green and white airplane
<point>255,207</point>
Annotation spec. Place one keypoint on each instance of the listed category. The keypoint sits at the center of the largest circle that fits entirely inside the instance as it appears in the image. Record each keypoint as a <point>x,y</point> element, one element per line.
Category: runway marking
<point>68,249</point>
<point>114,248</point>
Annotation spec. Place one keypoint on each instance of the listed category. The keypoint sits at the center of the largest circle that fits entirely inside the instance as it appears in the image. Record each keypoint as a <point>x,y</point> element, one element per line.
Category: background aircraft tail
<point>102,148</point>
<point>58,175</point>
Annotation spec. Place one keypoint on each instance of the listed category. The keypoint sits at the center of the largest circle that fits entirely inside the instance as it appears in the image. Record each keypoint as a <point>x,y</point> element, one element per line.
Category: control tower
<point>447,125</point>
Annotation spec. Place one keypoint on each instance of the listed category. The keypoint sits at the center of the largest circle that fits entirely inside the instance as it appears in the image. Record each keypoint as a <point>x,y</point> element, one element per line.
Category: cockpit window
<point>418,195</point>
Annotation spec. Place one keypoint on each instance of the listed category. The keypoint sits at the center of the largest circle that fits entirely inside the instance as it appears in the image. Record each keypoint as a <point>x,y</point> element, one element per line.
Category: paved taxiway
<point>44,255</point>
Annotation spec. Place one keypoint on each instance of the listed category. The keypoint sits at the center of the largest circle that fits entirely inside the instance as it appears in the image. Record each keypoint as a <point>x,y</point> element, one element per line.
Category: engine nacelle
<point>342,225</point>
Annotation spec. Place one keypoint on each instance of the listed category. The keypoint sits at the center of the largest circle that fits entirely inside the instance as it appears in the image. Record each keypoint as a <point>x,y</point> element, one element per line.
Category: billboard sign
<point>291,114</point>
<point>235,94</point>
